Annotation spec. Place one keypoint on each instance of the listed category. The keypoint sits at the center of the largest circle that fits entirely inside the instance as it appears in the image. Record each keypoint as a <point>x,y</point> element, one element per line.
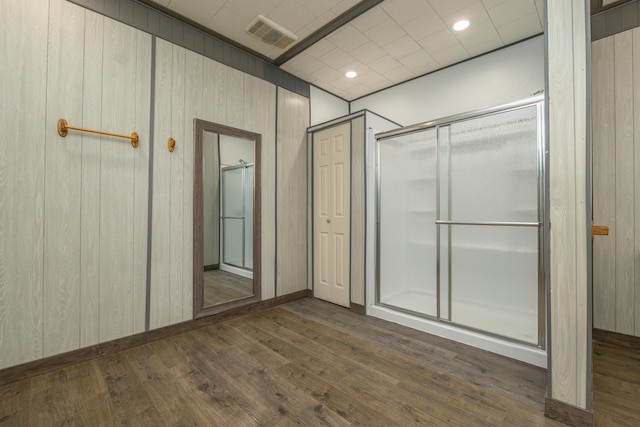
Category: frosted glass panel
<point>248,213</point>
<point>492,168</point>
<point>232,244</point>
<point>407,222</point>
<point>232,193</point>
<point>494,279</point>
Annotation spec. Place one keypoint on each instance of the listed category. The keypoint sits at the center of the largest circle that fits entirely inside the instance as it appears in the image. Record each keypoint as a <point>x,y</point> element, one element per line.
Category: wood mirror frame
<point>199,310</point>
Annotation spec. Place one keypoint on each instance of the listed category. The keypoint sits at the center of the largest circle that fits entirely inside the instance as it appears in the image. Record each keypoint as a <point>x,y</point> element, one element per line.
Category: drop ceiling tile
<point>399,75</point>
<point>336,58</point>
<point>385,64</point>
<point>249,9</point>
<point>540,9</point>
<point>356,66</point>
<point>419,62</point>
<point>402,47</point>
<point>447,7</point>
<point>522,28</point>
<point>511,10</point>
<point>162,2</point>
<point>370,19</point>
<point>478,34</point>
<point>439,41</point>
<point>368,52</point>
<point>475,13</point>
<point>385,32</point>
<point>320,48</point>
<point>291,15</point>
<point>327,74</point>
<point>451,55</point>
<point>374,79</point>
<point>348,38</point>
<point>485,47</point>
<point>318,7</point>
<point>492,3</point>
<point>314,24</point>
<point>306,64</point>
<point>424,26</point>
<point>343,5</point>
<point>403,11</point>
<point>358,91</point>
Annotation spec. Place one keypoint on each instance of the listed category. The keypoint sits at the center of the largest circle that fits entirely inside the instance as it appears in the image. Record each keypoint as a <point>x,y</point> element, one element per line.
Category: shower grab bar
<point>490,223</point>
<point>232,217</point>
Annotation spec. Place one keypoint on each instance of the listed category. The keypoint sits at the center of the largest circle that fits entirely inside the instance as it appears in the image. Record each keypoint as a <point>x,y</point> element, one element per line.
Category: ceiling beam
<point>326,29</point>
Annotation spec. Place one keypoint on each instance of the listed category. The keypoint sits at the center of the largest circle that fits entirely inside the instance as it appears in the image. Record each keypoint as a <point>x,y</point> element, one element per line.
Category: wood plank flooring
<point>222,286</point>
<point>616,385</point>
<point>303,363</point>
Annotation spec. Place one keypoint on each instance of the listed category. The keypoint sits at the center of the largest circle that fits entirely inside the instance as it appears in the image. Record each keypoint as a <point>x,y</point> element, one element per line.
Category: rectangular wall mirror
<point>226,218</point>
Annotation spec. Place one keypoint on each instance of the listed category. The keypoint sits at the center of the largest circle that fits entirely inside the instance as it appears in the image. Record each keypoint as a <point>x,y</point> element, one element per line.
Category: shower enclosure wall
<point>459,233</point>
<point>236,219</point>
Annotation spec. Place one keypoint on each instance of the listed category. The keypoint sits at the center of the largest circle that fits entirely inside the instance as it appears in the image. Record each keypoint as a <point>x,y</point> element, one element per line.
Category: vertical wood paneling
<point>567,44</point>
<point>189,86</point>
<point>23,65</point>
<point>616,181</point>
<point>624,184</point>
<point>193,108</point>
<point>90,214</point>
<point>117,182</point>
<point>176,246</point>
<point>62,180</point>
<point>160,314</point>
<point>604,186</point>
<point>358,139</point>
<point>293,120</point>
<point>264,115</point>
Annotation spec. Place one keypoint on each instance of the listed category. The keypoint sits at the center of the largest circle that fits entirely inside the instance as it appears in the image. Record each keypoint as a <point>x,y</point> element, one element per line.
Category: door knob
<point>600,230</point>
<point>328,221</point>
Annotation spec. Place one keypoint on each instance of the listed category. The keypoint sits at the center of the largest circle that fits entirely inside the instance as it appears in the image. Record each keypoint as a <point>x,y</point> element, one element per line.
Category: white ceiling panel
<point>393,41</point>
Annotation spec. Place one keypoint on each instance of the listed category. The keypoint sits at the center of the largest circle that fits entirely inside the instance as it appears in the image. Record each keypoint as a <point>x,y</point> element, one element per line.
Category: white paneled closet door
<point>332,214</point>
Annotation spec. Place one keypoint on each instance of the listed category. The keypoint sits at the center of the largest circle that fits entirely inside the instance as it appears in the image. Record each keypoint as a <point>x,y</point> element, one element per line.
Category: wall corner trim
<point>566,413</point>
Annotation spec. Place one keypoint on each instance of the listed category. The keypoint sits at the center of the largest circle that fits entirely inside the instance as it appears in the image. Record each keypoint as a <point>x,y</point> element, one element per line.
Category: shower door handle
<point>600,230</point>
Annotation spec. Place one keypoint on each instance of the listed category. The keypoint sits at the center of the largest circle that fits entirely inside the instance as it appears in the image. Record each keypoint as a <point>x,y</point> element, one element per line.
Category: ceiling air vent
<point>270,32</point>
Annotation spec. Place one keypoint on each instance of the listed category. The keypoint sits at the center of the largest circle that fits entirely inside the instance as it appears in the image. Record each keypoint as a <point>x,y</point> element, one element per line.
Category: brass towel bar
<point>63,128</point>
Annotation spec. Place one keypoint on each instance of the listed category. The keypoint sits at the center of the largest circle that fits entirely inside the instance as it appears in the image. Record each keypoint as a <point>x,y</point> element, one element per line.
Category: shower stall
<point>460,209</point>
<point>236,218</point>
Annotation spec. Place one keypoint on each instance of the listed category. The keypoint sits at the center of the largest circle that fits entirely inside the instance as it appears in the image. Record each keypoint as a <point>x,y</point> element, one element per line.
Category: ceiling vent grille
<point>270,32</point>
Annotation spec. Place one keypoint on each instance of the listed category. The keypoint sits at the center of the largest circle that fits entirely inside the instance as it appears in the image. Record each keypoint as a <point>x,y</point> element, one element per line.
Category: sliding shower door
<point>407,236</point>
<point>459,231</point>
<point>237,216</point>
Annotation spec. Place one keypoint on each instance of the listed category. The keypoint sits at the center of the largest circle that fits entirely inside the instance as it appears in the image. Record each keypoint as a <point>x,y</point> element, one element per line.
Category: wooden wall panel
<point>90,198</point>
<point>63,173</point>
<point>567,90</point>
<point>604,184</point>
<point>189,86</point>
<point>160,310</point>
<point>23,67</point>
<point>624,183</point>
<point>358,140</point>
<point>293,121</point>
<point>176,184</point>
<point>616,181</point>
<point>266,111</point>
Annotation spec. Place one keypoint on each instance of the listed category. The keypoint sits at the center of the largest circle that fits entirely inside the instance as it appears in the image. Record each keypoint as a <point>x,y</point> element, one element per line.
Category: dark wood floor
<point>222,286</point>
<point>303,363</point>
<point>616,385</point>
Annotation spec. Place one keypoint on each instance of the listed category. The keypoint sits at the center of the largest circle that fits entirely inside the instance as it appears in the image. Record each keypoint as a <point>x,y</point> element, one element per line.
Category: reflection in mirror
<point>226,231</point>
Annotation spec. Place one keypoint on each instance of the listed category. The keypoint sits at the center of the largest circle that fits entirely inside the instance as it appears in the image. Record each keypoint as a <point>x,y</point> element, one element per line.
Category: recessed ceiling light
<point>350,74</point>
<point>461,25</point>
